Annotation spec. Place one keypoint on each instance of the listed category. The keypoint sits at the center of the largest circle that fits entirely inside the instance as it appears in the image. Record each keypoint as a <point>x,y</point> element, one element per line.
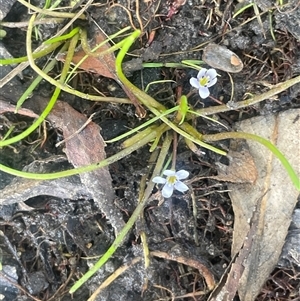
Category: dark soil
<point>48,246</point>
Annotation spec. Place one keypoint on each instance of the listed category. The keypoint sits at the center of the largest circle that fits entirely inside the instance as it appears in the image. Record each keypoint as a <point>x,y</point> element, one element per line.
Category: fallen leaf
<point>84,148</point>
<point>229,283</point>
<point>278,198</point>
<point>241,168</point>
<point>103,65</point>
<point>222,58</point>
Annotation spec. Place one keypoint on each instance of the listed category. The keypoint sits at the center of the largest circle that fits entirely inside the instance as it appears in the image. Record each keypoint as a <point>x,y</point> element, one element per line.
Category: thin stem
<point>35,55</point>
<point>250,101</point>
<point>33,85</point>
<point>66,173</point>
<point>188,136</point>
<point>66,36</point>
<point>144,98</point>
<point>154,106</point>
<point>174,156</point>
<point>136,129</point>
<point>50,12</point>
<point>50,21</point>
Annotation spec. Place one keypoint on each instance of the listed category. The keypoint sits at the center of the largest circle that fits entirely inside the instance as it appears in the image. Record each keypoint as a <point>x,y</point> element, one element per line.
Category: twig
<point>77,132</point>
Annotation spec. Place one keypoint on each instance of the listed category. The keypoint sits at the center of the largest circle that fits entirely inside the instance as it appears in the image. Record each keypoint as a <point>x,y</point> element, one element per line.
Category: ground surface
<point>45,247</point>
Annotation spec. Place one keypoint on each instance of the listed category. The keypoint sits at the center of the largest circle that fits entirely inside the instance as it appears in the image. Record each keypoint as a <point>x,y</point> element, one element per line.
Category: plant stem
<point>154,106</point>
<point>50,12</point>
<point>144,98</point>
<point>35,55</point>
<point>66,173</point>
<point>250,101</point>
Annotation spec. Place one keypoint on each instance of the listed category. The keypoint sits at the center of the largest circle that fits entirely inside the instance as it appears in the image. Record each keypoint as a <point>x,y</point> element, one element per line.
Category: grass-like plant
<point>174,119</point>
<point>158,110</point>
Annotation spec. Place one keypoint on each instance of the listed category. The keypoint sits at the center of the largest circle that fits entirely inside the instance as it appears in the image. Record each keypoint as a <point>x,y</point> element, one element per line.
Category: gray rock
<point>5,7</point>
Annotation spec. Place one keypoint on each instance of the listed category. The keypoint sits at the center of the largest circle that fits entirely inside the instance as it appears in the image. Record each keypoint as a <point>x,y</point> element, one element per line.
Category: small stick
<point>77,132</point>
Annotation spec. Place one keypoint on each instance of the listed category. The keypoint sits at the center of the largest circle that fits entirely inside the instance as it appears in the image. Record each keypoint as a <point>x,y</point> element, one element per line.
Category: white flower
<point>205,79</point>
<point>172,181</point>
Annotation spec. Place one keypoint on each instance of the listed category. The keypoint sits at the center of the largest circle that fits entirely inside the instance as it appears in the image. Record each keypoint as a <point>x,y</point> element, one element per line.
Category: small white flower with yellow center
<point>172,181</point>
<point>205,79</point>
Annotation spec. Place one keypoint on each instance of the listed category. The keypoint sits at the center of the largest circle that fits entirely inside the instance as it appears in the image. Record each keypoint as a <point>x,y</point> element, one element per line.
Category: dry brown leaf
<point>241,169</point>
<point>103,65</point>
<point>220,57</point>
<point>84,148</point>
<point>278,198</point>
<point>229,283</point>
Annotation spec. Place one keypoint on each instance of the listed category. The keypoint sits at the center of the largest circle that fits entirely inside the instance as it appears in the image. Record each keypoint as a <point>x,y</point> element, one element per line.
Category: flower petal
<point>182,174</point>
<point>212,82</point>
<point>201,73</point>
<point>167,190</point>
<point>212,73</point>
<point>169,172</point>
<point>159,180</point>
<point>180,186</point>
<point>203,92</point>
<point>194,82</point>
